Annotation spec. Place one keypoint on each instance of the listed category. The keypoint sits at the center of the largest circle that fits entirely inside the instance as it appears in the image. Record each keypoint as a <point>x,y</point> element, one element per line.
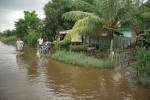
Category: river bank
<point>81,59</point>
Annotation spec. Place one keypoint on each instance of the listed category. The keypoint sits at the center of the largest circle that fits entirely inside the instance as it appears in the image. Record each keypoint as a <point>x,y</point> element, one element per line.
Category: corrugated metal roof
<point>64,32</point>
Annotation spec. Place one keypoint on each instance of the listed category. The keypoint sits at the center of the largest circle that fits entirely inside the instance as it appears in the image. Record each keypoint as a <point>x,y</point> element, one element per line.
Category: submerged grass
<point>8,40</point>
<point>81,59</point>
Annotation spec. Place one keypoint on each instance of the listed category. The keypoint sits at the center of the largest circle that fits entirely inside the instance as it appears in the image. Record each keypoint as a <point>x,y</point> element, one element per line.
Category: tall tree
<point>21,28</point>
<point>31,22</point>
<point>53,21</point>
<point>144,19</point>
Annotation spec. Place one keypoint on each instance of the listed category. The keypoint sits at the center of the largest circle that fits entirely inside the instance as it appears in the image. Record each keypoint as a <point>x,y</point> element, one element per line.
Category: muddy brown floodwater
<point>33,77</point>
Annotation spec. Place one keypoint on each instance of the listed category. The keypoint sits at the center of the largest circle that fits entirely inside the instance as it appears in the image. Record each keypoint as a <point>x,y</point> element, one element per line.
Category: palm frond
<point>83,6</point>
<point>75,15</point>
<point>89,20</point>
<point>89,25</point>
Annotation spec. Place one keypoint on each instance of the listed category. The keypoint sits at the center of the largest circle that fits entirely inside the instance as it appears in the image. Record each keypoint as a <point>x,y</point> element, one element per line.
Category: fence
<point>104,41</point>
<point>124,58</point>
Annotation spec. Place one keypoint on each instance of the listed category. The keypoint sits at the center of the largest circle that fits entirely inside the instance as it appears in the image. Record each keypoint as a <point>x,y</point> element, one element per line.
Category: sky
<point>12,10</point>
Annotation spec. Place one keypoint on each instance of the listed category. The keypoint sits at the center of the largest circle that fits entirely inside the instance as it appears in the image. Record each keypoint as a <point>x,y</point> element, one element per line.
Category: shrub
<point>142,67</point>
<point>31,39</point>
<point>64,45</point>
<point>25,39</point>
<point>78,48</point>
<point>55,44</point>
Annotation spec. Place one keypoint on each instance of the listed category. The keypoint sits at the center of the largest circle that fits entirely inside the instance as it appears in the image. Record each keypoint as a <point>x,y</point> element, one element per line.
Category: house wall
<point>119,41</point>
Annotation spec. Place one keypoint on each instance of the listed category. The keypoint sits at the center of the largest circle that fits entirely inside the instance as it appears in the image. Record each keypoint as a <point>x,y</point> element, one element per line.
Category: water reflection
<point>39,78</point>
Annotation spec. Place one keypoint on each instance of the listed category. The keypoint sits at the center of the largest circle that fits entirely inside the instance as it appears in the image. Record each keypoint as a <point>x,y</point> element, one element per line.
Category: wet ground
<point>33,77</point>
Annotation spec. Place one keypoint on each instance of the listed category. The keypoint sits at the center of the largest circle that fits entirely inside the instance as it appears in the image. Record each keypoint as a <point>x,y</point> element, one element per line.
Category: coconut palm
<point>99,16</point>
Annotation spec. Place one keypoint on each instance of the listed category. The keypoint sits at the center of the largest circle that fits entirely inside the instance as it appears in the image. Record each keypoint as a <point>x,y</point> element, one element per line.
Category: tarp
<point>76,38</point>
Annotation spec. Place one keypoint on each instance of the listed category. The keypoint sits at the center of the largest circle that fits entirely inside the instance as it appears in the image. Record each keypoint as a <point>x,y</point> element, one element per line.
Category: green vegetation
<point>29,28</point>
<point>142,67</point>
<point>81,59</point>
<point>64,45</point>
<point>100,15</point>
<point>31,24</point>
<point>53,21</point>
<point>31,39</point>
<point>78,48</point>
<point>8,40</point>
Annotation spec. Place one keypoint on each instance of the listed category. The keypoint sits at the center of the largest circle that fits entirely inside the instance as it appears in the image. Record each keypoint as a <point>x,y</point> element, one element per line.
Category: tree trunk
<point>111,49</point>
<point>111,45</point>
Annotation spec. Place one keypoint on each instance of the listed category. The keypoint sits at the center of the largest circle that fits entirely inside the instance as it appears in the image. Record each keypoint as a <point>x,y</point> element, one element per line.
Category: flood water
<point>34,77</point>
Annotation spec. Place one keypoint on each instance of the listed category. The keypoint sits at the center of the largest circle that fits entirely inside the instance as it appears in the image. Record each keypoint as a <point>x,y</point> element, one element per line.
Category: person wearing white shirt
<point>40,41</point>
<point>19,44</point>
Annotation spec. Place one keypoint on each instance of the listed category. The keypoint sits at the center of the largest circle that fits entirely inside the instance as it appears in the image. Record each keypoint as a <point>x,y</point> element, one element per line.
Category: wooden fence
<point>123,58</point>
<point>104,41</point>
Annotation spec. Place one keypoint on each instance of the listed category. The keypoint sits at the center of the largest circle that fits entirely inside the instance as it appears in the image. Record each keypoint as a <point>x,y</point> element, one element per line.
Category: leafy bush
<point>25,39</point>
<point>31,39</point>
<point>55,44</point>
<point>78,48</point>
<point>64,45</point>
<point>142,67</point>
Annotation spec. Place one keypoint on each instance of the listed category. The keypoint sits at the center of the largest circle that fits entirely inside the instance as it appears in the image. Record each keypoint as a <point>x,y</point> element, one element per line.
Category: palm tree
<point>99,16</point>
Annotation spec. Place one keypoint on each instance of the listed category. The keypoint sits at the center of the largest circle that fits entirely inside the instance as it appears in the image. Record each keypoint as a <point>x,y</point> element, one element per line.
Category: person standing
<point>40,42</point>
<point>19,44</point>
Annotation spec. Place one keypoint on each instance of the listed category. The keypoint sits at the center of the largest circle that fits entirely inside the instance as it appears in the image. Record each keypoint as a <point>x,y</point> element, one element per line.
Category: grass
<point>81,59</point>
<point>8,40</point>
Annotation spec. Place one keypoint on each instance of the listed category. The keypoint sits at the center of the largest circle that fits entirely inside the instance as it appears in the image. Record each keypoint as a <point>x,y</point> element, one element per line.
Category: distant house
<point>129,33</point>
<point>74,38</point>
<point>62,34</point>
<point>128,40</point>
<point>122,39</point>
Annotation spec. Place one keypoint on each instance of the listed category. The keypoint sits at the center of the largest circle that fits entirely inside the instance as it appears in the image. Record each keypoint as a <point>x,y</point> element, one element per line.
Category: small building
<point>129,33</point>
<point>74,38</point>
<point>61,35</point>
<point>122,39</point>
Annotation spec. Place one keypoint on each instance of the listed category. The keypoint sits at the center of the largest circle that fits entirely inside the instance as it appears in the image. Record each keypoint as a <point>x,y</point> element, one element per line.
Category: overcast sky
<point>12,10</point>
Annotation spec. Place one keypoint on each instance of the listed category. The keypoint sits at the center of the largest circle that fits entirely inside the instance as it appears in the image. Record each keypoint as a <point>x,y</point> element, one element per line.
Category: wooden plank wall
<point>119,41</point>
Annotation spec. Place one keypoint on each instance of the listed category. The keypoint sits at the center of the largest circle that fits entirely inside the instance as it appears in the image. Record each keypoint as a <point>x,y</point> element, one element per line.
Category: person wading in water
<point>19,44</point>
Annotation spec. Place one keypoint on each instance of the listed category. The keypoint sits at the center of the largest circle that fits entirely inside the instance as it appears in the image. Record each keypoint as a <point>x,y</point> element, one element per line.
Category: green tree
<point>8,32</point>
<point>99,16</point>
<point>143,15</point>
<point>53,22</point>
<point>32,20</point>
<point>143,22</point>
<point>21,28</point>
<point>30,24</point>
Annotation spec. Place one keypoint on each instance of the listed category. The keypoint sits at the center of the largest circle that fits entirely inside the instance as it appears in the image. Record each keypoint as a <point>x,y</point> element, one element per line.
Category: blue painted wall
<point>126,33</point>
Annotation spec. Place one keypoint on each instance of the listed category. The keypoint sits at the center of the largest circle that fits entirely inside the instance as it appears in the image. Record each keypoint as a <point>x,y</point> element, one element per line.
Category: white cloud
<point>8,19</point>
<point>41,15</point>
<point>11,11</point>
